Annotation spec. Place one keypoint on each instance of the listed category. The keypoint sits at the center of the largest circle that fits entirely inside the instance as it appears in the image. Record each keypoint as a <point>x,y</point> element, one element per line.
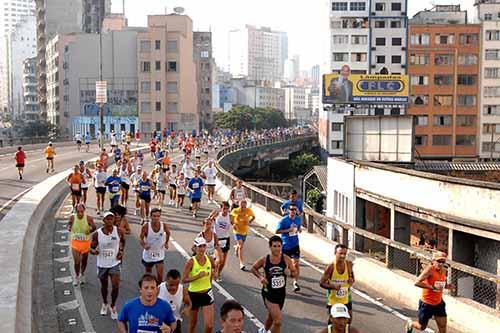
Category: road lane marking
<point>221,290</point>
<point>357,292</point>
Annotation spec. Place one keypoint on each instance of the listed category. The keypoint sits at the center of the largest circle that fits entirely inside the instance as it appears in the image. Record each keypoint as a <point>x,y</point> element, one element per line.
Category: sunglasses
<point>293,209</point>
<point>441,261</point>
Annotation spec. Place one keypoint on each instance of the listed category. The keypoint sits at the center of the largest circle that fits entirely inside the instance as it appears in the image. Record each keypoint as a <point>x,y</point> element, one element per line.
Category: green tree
<point>245,117</point>
<point>40,128</point>
<point>315,200</point>
<point>303,163</point>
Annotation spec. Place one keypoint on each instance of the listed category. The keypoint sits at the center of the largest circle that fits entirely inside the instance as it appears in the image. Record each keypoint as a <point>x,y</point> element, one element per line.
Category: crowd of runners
<point>183,173</point>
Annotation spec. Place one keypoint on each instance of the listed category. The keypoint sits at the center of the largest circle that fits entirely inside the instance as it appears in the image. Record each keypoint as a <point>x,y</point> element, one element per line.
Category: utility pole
<point>101,105</point>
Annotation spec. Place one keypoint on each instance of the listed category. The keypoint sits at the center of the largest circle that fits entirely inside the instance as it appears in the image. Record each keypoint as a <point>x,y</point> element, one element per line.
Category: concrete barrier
<point>372,275</point>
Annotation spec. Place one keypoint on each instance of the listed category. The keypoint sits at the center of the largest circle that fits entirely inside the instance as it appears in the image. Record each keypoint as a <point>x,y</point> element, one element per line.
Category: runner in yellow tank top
<point>338,279</point>
<point>198,273</point>
<point>80,226</point>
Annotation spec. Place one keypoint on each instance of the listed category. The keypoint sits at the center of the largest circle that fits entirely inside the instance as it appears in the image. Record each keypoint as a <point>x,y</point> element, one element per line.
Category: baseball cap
<point>199,241</point>
<point>439,256</point>
<point>139,167</point>
<point>108,213</point>
<point>339,311</point>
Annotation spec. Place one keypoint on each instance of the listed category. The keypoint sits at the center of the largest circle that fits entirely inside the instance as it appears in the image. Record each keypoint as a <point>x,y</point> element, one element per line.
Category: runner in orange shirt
<point>75,181</point>
<point>50,153</point>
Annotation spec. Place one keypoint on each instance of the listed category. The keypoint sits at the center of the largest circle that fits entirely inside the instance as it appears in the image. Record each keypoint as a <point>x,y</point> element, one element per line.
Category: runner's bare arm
<point>121,249</point>
<point>70,222</point>
<point>143,235</point>
<point>323,282</point>
<point>167,233</point>
<point>422,277</point>
<point>90,221</point>
<point>122,327</point>
<point>215,270</point>
<point>94,244</point>
<point>187,269</point>
<point>255,270</point>
<point>351,272</point>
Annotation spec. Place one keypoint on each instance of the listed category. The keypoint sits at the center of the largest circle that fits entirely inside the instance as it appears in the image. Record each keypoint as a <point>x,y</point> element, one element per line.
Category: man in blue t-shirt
<point>118,154</point>
<point>289,228</point>
<point>292,199</point>
<point>195,187</point>
<point>113,183</point>
<point>147,313</point>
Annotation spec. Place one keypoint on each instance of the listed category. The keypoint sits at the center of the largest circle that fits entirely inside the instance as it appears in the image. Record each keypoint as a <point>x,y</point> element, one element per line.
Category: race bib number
<point>277,282</point>
<point>439,285</point>
<point>75,187</point>
<point>155,255</point>
<point>341,293</point>
<point>108,253</point>
<point>79,237</point>
<point>173,306</point>
<point>196,185</point>
<point>144,331</point>
<point>144,188</point>
<point>222,242</point>
<point>293,232</point>
<point>115,188</point>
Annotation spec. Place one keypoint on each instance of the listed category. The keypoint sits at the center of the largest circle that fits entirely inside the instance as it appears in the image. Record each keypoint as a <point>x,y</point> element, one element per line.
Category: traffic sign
<point>101,92</point>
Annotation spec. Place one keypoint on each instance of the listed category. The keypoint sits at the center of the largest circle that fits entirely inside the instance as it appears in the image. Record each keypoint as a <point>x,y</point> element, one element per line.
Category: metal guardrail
<point>11,142</point>
<point>395,255</point>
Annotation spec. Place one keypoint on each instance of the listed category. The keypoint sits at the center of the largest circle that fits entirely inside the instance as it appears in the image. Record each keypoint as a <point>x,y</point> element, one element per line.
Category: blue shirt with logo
<point>142,318</point>
<point>298,203</point>
<point>118,153</point>
<point>113,184</point>
<point>290,240</point>
<point>145,187</point>
<point>196,185</point>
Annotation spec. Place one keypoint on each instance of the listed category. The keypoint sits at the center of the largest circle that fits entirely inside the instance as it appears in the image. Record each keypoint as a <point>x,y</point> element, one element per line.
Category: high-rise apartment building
<point>205,70</point>
<point>444,77</point>
<point>489,130</point>
<point>63,17</point>
<point>315,76</point>
<point>21,44</point>
<point>11,13</point>
<point>30,93</point>
<point>258,53</point>
<point>167,74</point>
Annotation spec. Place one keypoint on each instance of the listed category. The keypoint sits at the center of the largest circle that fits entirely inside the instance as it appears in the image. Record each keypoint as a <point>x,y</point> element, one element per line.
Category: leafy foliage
<point>245,117</point>
<point>315,200</point>
<point>303,163</point>
<point>40,128</point>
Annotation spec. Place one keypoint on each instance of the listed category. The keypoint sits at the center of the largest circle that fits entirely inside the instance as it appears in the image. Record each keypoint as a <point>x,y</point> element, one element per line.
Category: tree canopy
<point>245,117</point>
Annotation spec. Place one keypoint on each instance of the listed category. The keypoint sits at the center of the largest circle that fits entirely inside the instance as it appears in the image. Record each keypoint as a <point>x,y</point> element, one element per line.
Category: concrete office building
<point>73,69</point>
<point>30,93</point>
<point>296,106</point>
<point>444,76</point>
<point>244,92</point>
<point>11,13</point>
<point>21,44</point>
<point>489,130</point>
<point>315,76</point>
<point>205,70</point>
<point>62,17</point>
<point>167,74</point>
<point>258,53</point>
<point>292,69</point>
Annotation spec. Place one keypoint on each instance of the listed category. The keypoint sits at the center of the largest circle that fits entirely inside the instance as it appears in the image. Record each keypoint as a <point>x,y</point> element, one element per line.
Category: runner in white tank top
<point>173,292</point>
<point>154,239</point>
<point>172,187</point>
<point>109,246</point>
<point>223,231</point>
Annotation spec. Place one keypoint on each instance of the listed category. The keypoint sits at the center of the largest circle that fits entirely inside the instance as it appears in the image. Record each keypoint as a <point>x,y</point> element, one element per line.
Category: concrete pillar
<point>452,274</point>
<point>389,252</point>
<point>498,286</point>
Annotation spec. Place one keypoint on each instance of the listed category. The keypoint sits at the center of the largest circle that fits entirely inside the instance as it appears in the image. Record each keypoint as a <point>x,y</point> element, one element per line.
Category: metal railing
<point>395,255</point>
<point>11,142</point>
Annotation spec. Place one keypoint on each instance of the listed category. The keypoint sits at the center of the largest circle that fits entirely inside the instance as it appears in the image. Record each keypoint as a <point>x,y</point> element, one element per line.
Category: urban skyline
<point>207,17</point>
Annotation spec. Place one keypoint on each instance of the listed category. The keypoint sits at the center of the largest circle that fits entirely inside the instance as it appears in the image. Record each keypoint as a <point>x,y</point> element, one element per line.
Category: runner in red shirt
<point>20,160</point>
<point>152,148</point>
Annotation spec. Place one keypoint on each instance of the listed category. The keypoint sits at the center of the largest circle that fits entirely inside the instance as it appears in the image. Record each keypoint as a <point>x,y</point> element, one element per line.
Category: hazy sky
<point>305,21</point>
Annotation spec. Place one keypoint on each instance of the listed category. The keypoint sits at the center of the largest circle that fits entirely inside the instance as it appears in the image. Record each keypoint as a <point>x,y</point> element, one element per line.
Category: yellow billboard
<point>346,88</point>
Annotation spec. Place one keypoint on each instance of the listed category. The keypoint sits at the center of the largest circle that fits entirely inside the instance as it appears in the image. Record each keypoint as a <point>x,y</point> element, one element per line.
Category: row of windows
<point>361,6</point>
<point>362,57</point>
<point>443,59</point>
<point>145,107</point>
<point>443,100</point>
<point>146,87</point>
<point>395,41</point>
<point>445,140</point>
<point>355,39</point>
<point>446,120</point>
<point>170,66</point>
<point>444,80</point>
<point>444,39</point>
<point>145,46</point>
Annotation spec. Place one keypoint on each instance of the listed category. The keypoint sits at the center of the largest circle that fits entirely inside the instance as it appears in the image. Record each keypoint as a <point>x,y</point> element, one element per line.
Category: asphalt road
<point>303,312</point>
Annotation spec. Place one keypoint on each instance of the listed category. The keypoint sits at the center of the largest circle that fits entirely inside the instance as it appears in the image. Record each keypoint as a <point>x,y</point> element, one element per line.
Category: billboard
<point>346,88</point>
<point>379,138</point>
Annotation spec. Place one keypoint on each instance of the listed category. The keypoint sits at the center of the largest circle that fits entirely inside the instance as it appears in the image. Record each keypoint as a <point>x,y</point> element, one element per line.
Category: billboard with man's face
<point>347,88</point>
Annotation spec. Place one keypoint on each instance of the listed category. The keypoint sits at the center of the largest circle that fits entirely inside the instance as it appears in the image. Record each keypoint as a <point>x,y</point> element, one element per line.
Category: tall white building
<point>370,37</point>
<point>30,91</point>
<point>21,44</point>
<point>11,13</point>
<point>489,16</point>
<point>296,104</point>
<point>292,68</point>
<point>258,53</point>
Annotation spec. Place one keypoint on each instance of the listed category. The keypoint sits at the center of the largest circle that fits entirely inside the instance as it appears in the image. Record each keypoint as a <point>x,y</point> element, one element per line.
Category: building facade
<point>258,53</point>
<point>444,76</point>
<point>167,74</point>
<point>205,69</point>
<point>296,105</point>
<point>30,94</point>
<point>488,14</point>
<point>21,44</point>
<point>11,13</point>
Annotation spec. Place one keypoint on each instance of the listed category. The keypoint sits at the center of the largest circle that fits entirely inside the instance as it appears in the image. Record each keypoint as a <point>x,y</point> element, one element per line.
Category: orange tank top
<point>438,280</point>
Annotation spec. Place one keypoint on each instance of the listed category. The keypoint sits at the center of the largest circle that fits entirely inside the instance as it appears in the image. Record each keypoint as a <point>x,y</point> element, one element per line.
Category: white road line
<point>221,290</point>
<point>357,292</point>
<point>14,199</point>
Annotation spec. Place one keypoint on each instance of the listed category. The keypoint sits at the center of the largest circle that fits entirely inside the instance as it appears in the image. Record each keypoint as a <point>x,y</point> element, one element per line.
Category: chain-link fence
<point>471,283</point>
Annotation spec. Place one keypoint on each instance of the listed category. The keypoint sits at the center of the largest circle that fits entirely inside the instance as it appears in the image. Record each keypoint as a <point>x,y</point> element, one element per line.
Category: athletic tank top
<point>124,175</point>
<point>161,182</point>
<point>275,276</point>
<point>172,177</point>
<point>438,280</point>
<point>156,242</point>
<point>210,251</point>
<point>205,282</point>
<point>223,227</point>
<point>175,301</point>
<point>342,295</point>
<point>331,330</point>
<point>80,230</point>
<point>181,186</point>
<point>87,178</point>
<point>239,194</point>
<point>109,245</point>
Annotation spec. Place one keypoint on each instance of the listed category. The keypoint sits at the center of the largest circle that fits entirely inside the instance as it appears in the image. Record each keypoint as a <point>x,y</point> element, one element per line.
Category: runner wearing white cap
<point>339,318</point>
